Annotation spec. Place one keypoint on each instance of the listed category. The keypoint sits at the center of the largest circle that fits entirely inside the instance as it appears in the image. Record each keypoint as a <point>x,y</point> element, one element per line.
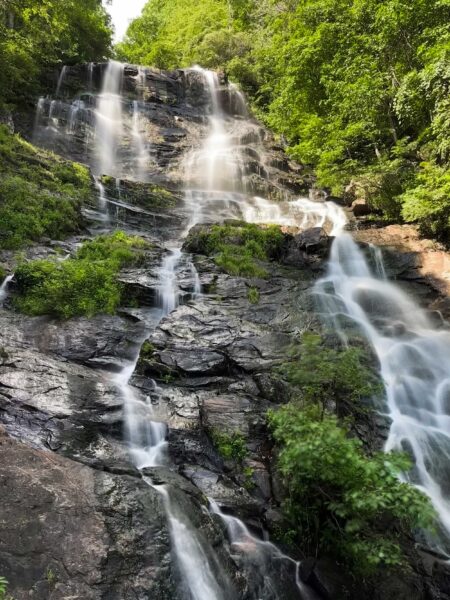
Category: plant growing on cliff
<point>327,375</point>
<point>40,193</point>
<point>3,587</point>
<point>339,500</point>
<point>231,446</point>
<point>253,295</point>
<point>83,285</point>
<point>239,247</point>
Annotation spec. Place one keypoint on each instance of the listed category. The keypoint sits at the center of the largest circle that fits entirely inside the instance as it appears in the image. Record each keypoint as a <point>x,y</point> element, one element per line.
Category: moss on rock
<point>41,194</point>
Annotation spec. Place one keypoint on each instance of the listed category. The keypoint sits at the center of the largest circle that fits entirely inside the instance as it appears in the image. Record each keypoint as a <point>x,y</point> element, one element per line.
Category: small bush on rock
<point>339,500</point>
<point>239,247</point>
<point>230,446</point>
<point>84,285</point>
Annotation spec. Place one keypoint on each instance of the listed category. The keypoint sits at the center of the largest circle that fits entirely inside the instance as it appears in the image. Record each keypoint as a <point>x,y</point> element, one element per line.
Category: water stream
<point>4,288</point>
<point>108,118</point>
<point>414,357</point>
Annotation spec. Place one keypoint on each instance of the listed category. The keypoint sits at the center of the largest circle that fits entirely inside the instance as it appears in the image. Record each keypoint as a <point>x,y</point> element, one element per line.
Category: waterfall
<point>90,76</point>
<point>140,151</point>
<point>216,165</point>
<point>61,79</point>
<point>168,287</point>
<point>75,109</point>
<point>102,200</point>
<point>4,288</point>
<point>193,558</point>
<point>108,118</point>
<point>414,358</point>
<point>413,352</point>
<point>259,557</point>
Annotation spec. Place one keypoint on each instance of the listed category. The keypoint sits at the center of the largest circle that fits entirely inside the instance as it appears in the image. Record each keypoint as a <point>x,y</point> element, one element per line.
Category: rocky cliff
<point>79,520</point>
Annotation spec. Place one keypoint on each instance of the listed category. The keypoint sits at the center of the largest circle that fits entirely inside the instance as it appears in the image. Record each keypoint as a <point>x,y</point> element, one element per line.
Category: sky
<point>122,12</point>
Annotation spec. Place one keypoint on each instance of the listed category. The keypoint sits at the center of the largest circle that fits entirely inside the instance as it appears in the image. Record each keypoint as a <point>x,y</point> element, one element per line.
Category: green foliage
<point>428,202</point>
<point>249,482</point>
<point>39,35</point>
<point>146,195</point>
<point>40,193</point>
<point>118,248</point>
<point>51,577</point>
<point>147,349</point>
<point>231,446</point>
<point>338,499</point>
<point>325,375</point>
<point>172,34</point>
<point>253,295</point>
<point>3,587</point>
<point>83,285</point>
<point>239,247</point>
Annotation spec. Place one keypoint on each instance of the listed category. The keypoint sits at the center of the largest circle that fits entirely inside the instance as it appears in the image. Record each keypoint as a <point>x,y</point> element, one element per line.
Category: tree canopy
<point>37,36</point>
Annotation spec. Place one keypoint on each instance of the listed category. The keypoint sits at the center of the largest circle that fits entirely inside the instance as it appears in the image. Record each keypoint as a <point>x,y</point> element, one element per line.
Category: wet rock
<point>79,532</point>
<point>326,578</point>
<point>307,246</point>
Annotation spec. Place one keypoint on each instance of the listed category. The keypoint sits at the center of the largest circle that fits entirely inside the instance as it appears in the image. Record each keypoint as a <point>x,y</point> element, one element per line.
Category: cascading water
<point>260,556</point>
<point>414,357</point>
<point>61,79</point>
<point>140,151</point>
<point>414,353</point>
<point>146,437</point>
<point>108,116</point>
<point>4,288</point>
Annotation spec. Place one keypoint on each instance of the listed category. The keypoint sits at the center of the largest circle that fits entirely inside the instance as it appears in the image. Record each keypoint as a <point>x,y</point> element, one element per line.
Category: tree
<point>37,36</point>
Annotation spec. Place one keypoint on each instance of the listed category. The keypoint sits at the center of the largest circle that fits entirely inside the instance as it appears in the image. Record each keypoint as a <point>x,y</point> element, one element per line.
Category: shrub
<point>253,295</point>
<point>339,500</point>
<point>3,587</point>
<point>428,201</point>
<point>230,446</point>
<point>147,350</point>
<point>238,247</point>
<point>325,375</point>
<point>117,247</point>
<point>84,285</point>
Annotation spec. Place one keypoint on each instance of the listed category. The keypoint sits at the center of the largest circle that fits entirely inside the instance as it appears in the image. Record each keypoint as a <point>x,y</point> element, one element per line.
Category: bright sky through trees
<point>122,12</point>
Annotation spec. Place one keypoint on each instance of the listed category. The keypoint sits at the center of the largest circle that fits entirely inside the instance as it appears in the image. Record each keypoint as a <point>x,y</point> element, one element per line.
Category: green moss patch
<point>146,195</point>
<point>238,248</point>
<point>40,193</point>
<point>231,446</point>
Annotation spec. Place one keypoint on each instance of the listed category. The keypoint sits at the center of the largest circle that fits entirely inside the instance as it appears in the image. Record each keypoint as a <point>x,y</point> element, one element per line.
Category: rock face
<point>72,531</point>
<point>219,355</point>
<point>171,109</point>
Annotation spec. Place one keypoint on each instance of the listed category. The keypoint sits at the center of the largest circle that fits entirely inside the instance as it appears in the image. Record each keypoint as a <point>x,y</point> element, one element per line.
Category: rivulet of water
<point>4,288</point>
